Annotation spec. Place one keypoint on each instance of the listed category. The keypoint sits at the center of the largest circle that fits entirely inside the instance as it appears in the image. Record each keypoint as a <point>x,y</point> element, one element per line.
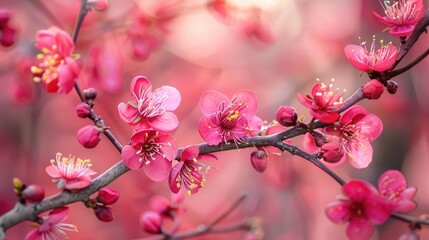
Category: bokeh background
<point>194,51</point>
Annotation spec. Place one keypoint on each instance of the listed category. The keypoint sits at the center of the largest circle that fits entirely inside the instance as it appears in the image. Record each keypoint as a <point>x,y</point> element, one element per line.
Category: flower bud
<point>7,36</point>
<point>392,86</point>
<point>90,94</point>
<point>259,160</point>
<point>373,89</point>
<point>332,152</point>
<point>286,116</point>
<point>88,136</point>
<point>4,17</point>
<point>98,5</point>
<point>104,213</point>
<point>151,222</point>
<point>33,193</point>
<point>107,196</point>
<point>160,204</point>
<point>83,110</point>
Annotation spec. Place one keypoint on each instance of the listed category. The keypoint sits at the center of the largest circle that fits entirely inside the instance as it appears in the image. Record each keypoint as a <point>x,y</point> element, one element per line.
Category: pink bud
<point>259,160</point>
<point>107,196</point>
<point>160,204</point>
<point>33,193</point>
<point>88,136</point>
<point>373,89</point>
<point>332,152</point>
<point>4,17</point>
<point>104,213</point>
<point>286,116</point>
<point>392,87</point>
<point>83,110</point>
<point>7,36</point>
<point>151,222</point>
<point>98,5</point>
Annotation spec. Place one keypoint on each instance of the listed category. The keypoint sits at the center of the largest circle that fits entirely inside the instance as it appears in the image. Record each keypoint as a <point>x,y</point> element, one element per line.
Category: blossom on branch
<point>58,68</point>
<point>190,172</point>
<point>323,102</point>
<point>69,172</point>
<point>151,150</point>
<point>356,129</point>
<point>151,109</point>
<point>226,119</point>
<point>401,16</point>
<point>379,60</point>
<point>52,226</point>
<point>393,187</point>
<point>361,207</point>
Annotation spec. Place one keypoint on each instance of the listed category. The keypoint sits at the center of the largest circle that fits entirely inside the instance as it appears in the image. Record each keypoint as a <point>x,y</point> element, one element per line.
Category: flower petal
<point>355,55</point>
<point>190,153</point>
<point>208,131</point>
<point>130,158</point>
<point>338,212</point>
<point>139,83</point>
<point>210,100</point>
<point>165,122</point>
<point>127,112</point>
<point>158,169</point>
<point>360,229</point>
<point>173,97</point>
<point>174,185</point>
<point>248,98</point>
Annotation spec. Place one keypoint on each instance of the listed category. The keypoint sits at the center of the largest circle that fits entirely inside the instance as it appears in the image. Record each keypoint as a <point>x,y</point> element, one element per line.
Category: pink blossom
<point>379,60</point>
<point>393,187</point>
<point>151,109</point>
<point>373,89</point>
<point>58,68</point>
<point>7,33</point>
<point>226,119</point>
<point>361,207</point>
<point>151,150</point>
<point>401,16</point>
<point>52,227</point>
<point>190,172</point>
<point>323,103</point>
<point>356,129</point>
<point>69,172</point>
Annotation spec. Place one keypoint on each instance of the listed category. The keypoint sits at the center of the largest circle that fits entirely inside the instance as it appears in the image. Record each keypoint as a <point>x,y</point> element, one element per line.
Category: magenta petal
<point>359,153</point>
<point>360,229</point>
<point>127,112</point>
<point>208,131</point>
<point>402,31</point>
<point>325,117</point>
<point>355,54</point>
<point>351,113</point>
<point>207,156</point>
<point>357,191</point>
<point>370,127</point>
<point>338,212</point>
<point>390,182</point>
<point>249,98</point>
<point>391,53</point>
<point>79,183</point>
<point>210,100</point>
<point>377,209</point>
<point>158,169</point>
<point>58,214</point>
<point>190,153</point>
<point>406,206</point>
<point>174,187</point>
<point>169,148</point>
<point>165,122</point>
<point>173,97</point>
<point>33,235</point>
<point>130,158</point>
<point>138,84</point>
<point>66,77</point>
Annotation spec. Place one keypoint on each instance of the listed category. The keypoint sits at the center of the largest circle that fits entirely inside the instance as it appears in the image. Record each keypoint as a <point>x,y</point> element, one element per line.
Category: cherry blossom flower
<point>190,172</point>
<point>69,172</point>
<point>58,68</point>
<point>151,109</point>
<point>361,207</point>
<point>323,102</point>
<point>52,226</point>
<point>379,60</point>
<point>225,119</point>
<point>356,129</point>
<point>401,16</point>
<point>392,186</point>
<point>151,150</point>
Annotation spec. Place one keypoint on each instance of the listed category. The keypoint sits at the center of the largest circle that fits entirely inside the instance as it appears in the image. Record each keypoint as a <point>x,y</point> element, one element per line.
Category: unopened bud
<point>98,5</point>
<point>33,193</point>
<point>392,86</point>
<point>104,213</point>
<point>160,204</point>
<point>332,152</point>
<point>259,160</point>
<point>151,222</point>
<point>4,17</point>
<point>7,36</point>
<point>88,136</point>
<point>286,116</point>
<point>373,89</point>
<point>107,196</point>
<point>90,94</point>
<point>83,110</point>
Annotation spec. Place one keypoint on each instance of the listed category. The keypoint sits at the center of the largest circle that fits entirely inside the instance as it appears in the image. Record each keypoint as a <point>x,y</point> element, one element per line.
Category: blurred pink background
<point>197,53</point>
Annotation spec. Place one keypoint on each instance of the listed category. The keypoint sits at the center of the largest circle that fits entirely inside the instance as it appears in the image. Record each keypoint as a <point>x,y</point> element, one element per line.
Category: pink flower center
<point>71,168</point>
<point>192,174</point>
<point>373,56</point>
<point>47,70</point>
<point>349,131</point>
<point>151,104</point>
<point>227,117</point>
<point>357,209</point>
<point>149,149</point>
<point>327,99</point>
<point>401,12</point>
